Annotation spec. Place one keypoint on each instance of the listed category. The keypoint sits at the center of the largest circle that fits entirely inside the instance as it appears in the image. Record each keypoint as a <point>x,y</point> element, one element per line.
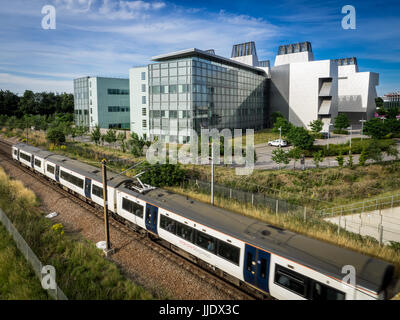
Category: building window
<point>118,91</point>
<point>143,76</point>
<point>144,123</point>
<point>143,99</point>
<point>143,88</point>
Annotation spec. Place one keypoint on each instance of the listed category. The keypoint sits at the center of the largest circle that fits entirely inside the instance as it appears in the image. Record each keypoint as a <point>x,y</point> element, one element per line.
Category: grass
<point>82,271</point>
<point>314,228</point>
<point>261,136</point>
<point>17,279</point>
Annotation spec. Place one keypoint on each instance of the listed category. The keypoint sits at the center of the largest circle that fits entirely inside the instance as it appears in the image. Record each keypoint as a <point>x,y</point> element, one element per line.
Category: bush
<point>159,175</point>
<point>300,138</point>
<point>56,135</point>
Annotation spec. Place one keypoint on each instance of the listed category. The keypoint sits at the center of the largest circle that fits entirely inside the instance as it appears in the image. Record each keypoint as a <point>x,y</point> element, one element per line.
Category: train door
<point>33,161</point>
<point>256,267</point>
<point>57,175</point>
<point>151,218</point>
<point>88,186</point>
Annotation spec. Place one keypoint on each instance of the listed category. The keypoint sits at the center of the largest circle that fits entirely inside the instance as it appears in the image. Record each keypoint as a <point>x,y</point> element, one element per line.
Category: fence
<point>377,223</point>
<point>29,255</point>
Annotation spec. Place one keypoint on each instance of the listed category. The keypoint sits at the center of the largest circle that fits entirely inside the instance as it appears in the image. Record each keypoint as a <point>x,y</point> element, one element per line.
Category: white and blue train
<point>245,251</point>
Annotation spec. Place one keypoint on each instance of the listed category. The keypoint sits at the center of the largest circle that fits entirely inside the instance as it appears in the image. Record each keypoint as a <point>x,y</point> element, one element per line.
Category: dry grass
<point>320,230</point>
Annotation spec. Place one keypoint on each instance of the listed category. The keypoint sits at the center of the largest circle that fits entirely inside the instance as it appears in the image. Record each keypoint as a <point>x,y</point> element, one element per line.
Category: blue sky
<point>107,37</point>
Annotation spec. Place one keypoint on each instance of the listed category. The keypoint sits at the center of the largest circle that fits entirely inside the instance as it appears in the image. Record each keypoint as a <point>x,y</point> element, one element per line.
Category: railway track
<point>236,293</point>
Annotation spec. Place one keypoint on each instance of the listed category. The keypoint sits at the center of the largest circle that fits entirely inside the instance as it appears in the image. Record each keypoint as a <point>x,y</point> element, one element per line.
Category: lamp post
<point>212,172</point>
<point>351,130</point>
<point>280,136</point>
<point>362,127</point>
<point>329,134</point>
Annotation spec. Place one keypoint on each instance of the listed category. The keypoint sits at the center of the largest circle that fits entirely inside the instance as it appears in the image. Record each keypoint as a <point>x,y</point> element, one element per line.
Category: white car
<point>277,143</point>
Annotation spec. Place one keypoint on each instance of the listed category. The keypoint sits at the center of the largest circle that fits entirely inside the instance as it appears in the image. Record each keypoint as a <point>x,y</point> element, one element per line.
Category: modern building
<point>196,89</point>
<point>102,101</point>
<point>391,100</point>
<point>302,89</point>
<point>357,91</point>
<point>139,101</point>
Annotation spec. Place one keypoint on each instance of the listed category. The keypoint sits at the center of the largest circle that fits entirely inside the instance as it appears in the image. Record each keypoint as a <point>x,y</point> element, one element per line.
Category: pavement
<point>368,224</point>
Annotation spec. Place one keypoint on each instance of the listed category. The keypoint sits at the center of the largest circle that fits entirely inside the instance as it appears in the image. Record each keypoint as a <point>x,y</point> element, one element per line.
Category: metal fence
<point>368,219</point>
<point>29,255</point>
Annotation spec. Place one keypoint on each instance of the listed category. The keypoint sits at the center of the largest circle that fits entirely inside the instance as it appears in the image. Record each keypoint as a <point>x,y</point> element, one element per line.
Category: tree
<point>56,135</point>
<point>363,157</point>
<point>299,137</point>
<point>374,151</point>
<point>159,175</point>
<point>111,136</point>
<point>340,159</point>
<point>136,144</point>
<point>316,125</point>
<point>96,134</point>
<point>275,115</point>
<point>350,162</point>
<point>295,154</point>
<point>341,122</point>
<point>318,158</point>
<point>379,102</point>
<point>121,137</point>
<point>282,123</point>
<point>279,156</point>
<point>392,112</point>
<point>376,128</point>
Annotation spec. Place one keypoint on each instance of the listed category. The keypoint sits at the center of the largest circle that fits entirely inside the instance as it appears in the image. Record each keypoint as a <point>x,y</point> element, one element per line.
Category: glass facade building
<point>204,91</point>
<point>81,101</point>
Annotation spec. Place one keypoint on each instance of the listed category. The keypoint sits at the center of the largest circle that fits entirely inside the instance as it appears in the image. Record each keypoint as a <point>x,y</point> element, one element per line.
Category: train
<point>265,259</point>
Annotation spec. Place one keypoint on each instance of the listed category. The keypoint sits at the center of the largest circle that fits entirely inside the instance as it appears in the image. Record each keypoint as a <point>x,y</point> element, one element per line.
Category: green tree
<point>363,157</point>
<point>96,135</point>
<point>111,136</point>
<point>379,102</point>
<point>341,122</point>
<point>159,175</point>
<point>340,159</point>
<point>300,138</point>
<point>136,144</point>
<point>376,128</point>
<point>279,156</point>
<point>316,125</point>
<point>318,158</point>
<point>350,162</point>
<point>282,123</point>
<point>295,154</point>
<point>56,135</point>
<point>374,151</point>
<point>121,137</point>
<point>275,115</point>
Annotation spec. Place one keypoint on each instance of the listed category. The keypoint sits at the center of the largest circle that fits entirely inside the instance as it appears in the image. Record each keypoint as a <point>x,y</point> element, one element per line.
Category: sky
<point>107,37</point>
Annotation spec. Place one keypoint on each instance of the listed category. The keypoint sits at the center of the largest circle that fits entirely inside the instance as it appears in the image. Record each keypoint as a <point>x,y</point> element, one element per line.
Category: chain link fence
<point>366,218</point>
<point>29,255</point>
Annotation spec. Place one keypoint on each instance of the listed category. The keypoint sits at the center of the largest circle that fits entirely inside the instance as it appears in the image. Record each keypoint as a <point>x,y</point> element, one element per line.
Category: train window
<point>132,207</point>
<point>205,241</point>
<point>15,152</point>
<point>25,156</point>
<point>291,280</point>
<point>184,232</point>
<point>249,261</point>
<point>71,179</point>
<point>263,268</point>
<point>167,224</point>
<point>50,169</point>
<point>38,163</point>
<point>228,251</point>
<point>97,191</point>
<point>323,292</point>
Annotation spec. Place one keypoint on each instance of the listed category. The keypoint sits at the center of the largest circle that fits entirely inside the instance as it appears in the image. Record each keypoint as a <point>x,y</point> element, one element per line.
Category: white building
<point>302,89</point>
<point>357,91</point>
<point>139,101</point>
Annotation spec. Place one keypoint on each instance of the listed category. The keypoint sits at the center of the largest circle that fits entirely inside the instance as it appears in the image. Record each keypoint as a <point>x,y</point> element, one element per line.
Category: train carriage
<point>246,251</point>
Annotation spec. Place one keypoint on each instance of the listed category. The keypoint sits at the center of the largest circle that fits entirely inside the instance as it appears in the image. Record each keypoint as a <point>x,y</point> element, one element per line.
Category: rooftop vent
<point>346,61</point>
<point>295,47</point>
<point>210,51</point>
<point>244,49</point>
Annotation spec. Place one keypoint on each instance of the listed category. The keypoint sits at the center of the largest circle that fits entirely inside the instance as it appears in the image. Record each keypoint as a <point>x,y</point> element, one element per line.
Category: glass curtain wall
<point>81,101</point>
<point>199,93</point>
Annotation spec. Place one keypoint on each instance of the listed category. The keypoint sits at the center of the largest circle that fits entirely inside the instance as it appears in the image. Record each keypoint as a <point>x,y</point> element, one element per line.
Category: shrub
<point>299,137</point>
<point>341,122</point>
<point>56,135</point>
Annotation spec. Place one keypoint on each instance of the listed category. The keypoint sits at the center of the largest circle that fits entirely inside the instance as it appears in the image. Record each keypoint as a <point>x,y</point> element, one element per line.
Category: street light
<point>329,134</point>
<point>280,136</point>
<point>362,127</point>
<point>351,130</point>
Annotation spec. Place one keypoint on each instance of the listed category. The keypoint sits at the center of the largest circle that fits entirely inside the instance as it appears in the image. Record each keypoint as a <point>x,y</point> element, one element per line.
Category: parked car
<point>277,143</point>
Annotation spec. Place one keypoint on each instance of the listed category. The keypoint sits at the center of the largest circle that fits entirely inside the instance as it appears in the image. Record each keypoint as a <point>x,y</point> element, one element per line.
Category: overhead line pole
<point>108,249</point>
